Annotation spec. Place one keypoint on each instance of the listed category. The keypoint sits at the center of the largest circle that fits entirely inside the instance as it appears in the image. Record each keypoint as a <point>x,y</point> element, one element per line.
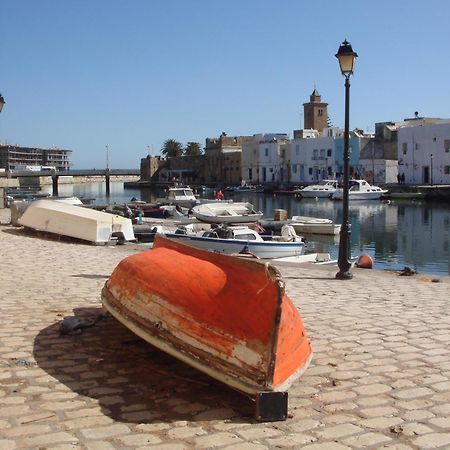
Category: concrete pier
<point>380,376</point>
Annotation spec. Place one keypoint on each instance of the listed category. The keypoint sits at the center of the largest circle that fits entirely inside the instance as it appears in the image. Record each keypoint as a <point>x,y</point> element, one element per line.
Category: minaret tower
<point>315,112</point>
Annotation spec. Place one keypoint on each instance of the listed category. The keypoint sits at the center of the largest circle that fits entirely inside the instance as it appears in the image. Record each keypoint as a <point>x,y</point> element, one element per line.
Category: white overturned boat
<point>324,189</point>
<point>314,225</point>
<point>242,239</point>
<point>75,221</point>
<point>360,190</point>
<point>237,212</point>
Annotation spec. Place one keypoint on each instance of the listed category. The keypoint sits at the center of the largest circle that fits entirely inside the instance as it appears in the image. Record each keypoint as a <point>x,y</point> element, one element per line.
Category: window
<point>315,153</point>
<point>447,145</point>
<point>447,170</point>
<point>329,152</point>
<point>310,171</point>
<point>294,168</point>
<point>405,148</point>
<point>322,153</point>
<point>320,112</point>
<point>266,151</point>
<point>297,150</point>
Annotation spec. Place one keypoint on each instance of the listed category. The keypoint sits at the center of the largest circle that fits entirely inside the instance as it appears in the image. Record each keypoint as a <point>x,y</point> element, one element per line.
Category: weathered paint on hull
<point>226,316</point>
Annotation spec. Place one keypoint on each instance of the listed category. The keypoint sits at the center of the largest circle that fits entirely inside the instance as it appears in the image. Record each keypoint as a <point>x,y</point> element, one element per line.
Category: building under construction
<point>13,157</point>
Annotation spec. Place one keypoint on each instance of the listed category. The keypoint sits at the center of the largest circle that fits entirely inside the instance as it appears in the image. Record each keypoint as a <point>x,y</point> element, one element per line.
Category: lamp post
<point>346,57</point>
<point>431,169</point>
<point>2,102</point>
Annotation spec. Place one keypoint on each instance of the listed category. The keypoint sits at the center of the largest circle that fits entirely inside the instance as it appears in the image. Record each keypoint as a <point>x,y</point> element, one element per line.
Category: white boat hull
<point>226,213</point>
<point>316,194</point>
<point>338,195</point>
<point>316,228</point>
<point>264,250</point>
<point>75,221</point>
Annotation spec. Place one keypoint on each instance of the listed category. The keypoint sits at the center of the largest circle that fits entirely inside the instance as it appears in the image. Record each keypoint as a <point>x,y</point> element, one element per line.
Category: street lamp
<point>346,57</point>
<point>2,102</point>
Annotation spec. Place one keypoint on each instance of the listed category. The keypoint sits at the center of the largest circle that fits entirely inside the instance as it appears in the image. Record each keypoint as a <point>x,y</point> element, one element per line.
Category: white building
<point>424,151</point>
<point>264,159</point>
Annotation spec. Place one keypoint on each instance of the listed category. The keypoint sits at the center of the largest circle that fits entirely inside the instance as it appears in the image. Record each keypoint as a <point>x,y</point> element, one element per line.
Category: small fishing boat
<point>360,190</point>
<point>242,239</point>
<point>237,212</point>
<point>76,221</point>
<point>323,189</point>
<point>225,316</point>
<point>314,225</point>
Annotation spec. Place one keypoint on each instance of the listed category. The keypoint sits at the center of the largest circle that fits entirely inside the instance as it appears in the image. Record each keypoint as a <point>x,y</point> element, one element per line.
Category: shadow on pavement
<point>132,380</point>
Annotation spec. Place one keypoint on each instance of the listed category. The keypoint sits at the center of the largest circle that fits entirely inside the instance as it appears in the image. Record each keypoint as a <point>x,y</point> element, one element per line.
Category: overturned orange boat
<point>224,315</point>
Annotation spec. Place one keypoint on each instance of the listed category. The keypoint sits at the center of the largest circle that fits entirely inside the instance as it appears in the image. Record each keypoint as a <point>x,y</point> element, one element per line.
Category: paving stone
<point>138,440</point>
<point>367,439</point>
<point>432,440</point>
<point>105,432</point>
<point>216,440</point>
<point>339,431</point>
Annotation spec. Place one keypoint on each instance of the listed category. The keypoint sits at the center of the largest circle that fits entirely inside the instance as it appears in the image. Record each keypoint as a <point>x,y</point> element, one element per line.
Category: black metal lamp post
<point>2,102</point>
<point>346,57</point>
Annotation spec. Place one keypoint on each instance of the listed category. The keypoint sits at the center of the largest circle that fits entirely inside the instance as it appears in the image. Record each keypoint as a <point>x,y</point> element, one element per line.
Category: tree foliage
<point>193,149</point>
<point>171,148</point>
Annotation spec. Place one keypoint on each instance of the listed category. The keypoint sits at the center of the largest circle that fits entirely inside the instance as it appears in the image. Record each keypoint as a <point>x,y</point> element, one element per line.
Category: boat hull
<point>316,228</point>
<point>263,250</point>
<point>228,317</point>
<point>226,213</point>
<point>316,194</point>
<point>338,195</point>
<point>75,221</point>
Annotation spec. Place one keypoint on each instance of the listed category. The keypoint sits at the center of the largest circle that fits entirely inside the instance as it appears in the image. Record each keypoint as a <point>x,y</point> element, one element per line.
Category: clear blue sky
<point>80,74</point>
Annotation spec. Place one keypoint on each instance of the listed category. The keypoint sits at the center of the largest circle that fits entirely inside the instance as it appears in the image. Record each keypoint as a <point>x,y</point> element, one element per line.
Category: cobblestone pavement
<point>380,377</point>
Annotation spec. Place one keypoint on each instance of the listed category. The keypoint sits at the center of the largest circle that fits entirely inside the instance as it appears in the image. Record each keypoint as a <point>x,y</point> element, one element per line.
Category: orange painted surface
<point>293,347</point>
<point>217,303</point>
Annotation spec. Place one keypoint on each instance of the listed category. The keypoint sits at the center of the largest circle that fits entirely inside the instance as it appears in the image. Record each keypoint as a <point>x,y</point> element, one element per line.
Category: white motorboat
<point>75,221</point>
<point>324,189</point>
<point>181,196</point>
<point>360,190</point>
<point>221,212</point>
<point>314,225</point>
<point>242,239</point>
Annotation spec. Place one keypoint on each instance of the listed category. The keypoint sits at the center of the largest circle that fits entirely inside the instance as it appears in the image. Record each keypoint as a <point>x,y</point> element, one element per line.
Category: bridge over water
<point>55,174</point>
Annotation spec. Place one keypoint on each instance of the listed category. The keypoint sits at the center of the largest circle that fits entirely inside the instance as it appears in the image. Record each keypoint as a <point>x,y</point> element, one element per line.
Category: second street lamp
<point>346,57</point>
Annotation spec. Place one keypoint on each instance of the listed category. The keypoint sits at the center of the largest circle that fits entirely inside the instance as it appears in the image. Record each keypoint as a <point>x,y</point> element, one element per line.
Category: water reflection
<point>395,234</point>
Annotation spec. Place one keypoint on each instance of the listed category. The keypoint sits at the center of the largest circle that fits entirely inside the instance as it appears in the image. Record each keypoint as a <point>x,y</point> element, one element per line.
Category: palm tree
<point>171,147</point>
<point>192,149</point>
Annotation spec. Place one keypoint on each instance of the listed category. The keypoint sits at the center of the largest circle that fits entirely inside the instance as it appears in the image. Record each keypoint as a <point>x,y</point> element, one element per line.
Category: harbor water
<point>395,234</point>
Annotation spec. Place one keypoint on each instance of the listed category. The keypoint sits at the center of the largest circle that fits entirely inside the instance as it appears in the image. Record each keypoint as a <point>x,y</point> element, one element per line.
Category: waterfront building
<point>223,159</point>
<point>14,157</point>
<point>265,159</point>
<point>424,150</point>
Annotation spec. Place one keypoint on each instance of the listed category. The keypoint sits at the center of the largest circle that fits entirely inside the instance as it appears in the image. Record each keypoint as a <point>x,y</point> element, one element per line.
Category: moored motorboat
<point>75,221</point>
<point>225,316</point>
<point>181,196</point>
<point>222,212</point>
<point>242,239</point>
<point>360,190</point>
<point>323,189</point>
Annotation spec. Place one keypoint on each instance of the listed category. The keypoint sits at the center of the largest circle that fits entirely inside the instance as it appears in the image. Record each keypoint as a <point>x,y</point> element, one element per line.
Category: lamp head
<point>346,57</point>
<point>2,102</point>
